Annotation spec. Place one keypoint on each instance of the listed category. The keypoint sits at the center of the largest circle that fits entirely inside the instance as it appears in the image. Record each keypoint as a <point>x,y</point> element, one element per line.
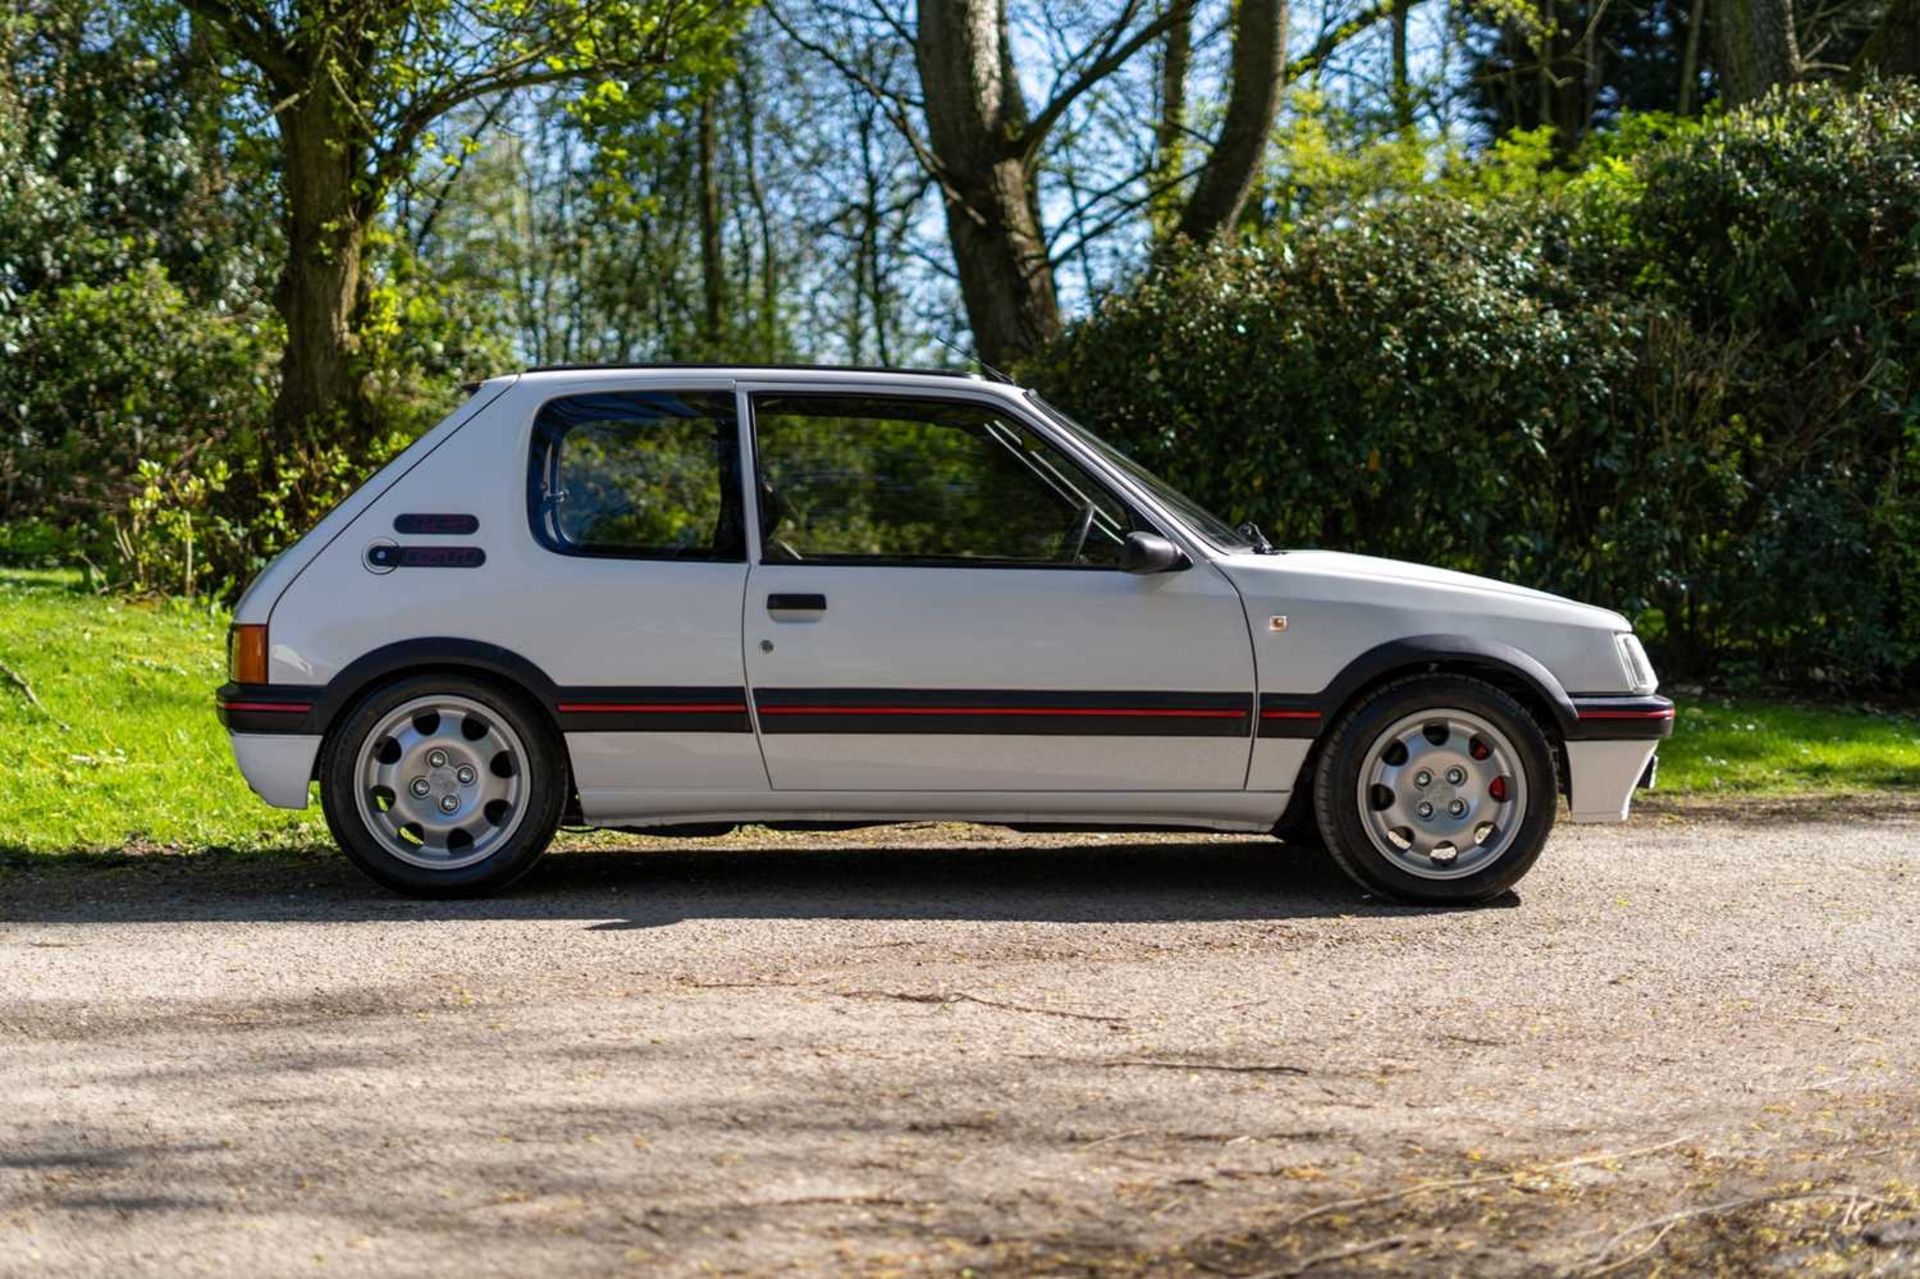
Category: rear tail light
<point>247,653</point>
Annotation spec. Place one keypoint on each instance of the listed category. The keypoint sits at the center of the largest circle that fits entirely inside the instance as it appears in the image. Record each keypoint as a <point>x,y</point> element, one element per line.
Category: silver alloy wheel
<point>441,782</point>
<point>1442,793</point>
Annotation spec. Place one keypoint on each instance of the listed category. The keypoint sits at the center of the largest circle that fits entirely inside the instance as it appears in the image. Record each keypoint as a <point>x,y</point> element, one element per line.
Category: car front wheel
<point>442,786</point>
<point>1438,789</point>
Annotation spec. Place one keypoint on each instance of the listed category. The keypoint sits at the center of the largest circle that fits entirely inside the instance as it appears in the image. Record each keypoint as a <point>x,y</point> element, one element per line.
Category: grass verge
<point>122,748</point>
<point>118,748</point>
<point>1737,746</point>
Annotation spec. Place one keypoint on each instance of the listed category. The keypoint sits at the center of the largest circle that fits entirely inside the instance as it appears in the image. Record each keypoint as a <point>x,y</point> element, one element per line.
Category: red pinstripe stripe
<point>651,708</point>
<point>289,707</point>
<point>1004,710</point>
<point>1277,714</point>
<point>1664,713</point>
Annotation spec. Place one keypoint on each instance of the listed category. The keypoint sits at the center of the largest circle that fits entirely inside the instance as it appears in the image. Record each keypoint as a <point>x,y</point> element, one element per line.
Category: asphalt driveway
<point>1690,1042</point>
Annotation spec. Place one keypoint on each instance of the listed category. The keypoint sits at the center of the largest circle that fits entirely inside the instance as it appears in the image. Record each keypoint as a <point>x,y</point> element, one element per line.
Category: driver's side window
<point>867,479</point>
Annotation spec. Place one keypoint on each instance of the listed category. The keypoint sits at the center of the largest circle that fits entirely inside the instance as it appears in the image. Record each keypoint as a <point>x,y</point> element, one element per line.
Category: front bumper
<point>1610,753</point>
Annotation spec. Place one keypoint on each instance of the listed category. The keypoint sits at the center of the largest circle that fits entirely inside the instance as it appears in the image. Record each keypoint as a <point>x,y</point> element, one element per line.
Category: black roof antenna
<point>998,376</point>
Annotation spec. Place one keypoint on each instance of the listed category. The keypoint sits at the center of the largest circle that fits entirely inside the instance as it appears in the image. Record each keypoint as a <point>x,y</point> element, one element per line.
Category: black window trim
<point>752,395</point>
<point>733,484</point>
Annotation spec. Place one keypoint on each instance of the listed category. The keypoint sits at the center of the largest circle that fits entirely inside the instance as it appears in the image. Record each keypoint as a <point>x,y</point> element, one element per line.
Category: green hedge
<point>1687,386</point>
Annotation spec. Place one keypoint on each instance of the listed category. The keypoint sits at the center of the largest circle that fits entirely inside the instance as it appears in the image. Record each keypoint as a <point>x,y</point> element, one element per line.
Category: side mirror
<point>1151,553</point>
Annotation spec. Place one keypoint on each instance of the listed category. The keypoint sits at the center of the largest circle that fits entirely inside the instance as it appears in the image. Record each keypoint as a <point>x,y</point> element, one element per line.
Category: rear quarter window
<point>638,475</point>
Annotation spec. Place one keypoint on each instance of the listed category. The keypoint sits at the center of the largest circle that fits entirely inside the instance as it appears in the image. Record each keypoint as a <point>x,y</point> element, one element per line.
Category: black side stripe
<point>652,710</point>
<point>1005,712</point>
<point>1292,715</point>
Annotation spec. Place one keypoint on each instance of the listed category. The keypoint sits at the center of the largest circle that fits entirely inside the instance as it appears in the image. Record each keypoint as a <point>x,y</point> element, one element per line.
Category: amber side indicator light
<point>247,653</point>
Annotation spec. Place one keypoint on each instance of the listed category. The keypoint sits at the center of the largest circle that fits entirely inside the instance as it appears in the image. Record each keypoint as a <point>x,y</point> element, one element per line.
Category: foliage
<point>111,390</point>
<point>141,346</point>
<point>1688,385</point>
<point>133,432</point>
<point>113,155</point>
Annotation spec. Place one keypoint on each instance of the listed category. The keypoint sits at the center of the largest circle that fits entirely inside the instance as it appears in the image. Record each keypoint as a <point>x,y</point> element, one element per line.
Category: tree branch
<point>259,44</point>
<point>1329,43</point>
<point>1115,57</point>
<point>460,166</point>
<point>889,101</point>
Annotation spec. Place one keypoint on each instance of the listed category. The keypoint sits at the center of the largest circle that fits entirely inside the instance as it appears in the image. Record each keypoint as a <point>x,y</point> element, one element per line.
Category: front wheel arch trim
<point>1465,653</point>
<point>1417,654</point>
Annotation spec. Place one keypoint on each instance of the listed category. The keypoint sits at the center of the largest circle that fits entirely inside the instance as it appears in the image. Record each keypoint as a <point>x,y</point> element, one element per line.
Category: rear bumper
<point>277,766</point>
<point>268,708</point>
<point>1610,749</point>
<point>275,736</point>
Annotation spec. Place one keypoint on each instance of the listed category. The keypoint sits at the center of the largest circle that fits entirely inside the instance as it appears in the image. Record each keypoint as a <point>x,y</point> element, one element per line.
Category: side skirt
<point>1204,810</point>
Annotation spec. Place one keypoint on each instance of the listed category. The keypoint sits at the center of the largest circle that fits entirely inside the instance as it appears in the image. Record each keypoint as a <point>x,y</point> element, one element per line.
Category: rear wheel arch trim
<point>427,656</point>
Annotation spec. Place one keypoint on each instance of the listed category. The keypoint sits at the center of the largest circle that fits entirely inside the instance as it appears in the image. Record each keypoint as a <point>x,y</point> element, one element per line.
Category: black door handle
<point>796,603</point>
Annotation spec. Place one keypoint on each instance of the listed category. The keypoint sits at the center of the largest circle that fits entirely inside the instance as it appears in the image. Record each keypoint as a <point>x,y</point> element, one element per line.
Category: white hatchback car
<point>685,597</point>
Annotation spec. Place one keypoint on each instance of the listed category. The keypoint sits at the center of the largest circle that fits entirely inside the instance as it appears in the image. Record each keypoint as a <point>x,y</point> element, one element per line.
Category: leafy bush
<point>111,390</point>
<point>132,437</point>
<point>139,349</point>
<point>1685,385</point>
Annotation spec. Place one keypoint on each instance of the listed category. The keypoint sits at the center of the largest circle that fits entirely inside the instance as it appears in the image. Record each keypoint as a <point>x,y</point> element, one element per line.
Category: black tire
<point>1337,781</point>
<point>544,771</point>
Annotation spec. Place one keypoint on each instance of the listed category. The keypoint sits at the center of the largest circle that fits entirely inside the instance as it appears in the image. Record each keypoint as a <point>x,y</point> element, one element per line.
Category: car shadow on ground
<point>654,883</point>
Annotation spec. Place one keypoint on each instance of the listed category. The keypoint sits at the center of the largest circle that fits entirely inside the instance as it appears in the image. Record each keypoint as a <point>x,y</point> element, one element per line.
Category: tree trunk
<point>713,280</point>
<point>1402,86</point>
<point>1755,48</point>
<point>1894,49</point>
<point>1690,58</point>
<point>767,322</point>
<point>1170,132</point>
<point>1259,72</point>
<point>321,394</point>
<point>976,119</point>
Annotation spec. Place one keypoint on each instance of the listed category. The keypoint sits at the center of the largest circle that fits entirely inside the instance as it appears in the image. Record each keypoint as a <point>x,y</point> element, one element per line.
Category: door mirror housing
<point>1151,553</point>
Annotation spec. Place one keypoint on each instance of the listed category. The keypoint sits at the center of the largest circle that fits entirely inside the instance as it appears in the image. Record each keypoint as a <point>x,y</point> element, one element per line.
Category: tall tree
<point>357,88</point>
<point>984,148</point>
<point>1259,73</point>
<point>1755,48</point>
<point>1170,130</point>
<point>1894,48</point>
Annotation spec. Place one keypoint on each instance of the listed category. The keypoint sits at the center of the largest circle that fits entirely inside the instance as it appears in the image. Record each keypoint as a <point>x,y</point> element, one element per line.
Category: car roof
<point>559,378</point>
<point>826,372</point>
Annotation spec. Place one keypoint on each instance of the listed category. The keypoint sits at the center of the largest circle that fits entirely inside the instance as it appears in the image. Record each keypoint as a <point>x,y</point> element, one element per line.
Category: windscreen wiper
<point>1261,546</point>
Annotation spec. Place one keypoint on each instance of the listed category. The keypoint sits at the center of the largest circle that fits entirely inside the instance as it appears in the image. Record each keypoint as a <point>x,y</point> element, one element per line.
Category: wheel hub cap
<point>441,782</point>
<point>1442,793</point>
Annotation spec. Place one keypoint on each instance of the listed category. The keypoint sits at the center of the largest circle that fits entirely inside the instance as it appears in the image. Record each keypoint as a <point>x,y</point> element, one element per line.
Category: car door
<point>935,603</point>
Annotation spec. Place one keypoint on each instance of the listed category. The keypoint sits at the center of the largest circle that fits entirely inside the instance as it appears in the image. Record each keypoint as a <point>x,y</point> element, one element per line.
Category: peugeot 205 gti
<point>689,597</point>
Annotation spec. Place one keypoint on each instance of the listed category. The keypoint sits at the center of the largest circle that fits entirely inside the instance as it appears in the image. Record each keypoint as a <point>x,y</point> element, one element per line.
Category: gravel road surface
<point>1689,1045</point>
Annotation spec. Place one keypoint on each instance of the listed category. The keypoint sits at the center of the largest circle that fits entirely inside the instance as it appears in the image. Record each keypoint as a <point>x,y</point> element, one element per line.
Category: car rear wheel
<point>442,786</point>
<point>1437,789</point>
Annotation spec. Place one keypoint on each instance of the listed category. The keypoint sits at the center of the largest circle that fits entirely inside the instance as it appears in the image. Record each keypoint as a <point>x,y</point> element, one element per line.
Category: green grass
<point>1732,746</point>
<point>124,750</point>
